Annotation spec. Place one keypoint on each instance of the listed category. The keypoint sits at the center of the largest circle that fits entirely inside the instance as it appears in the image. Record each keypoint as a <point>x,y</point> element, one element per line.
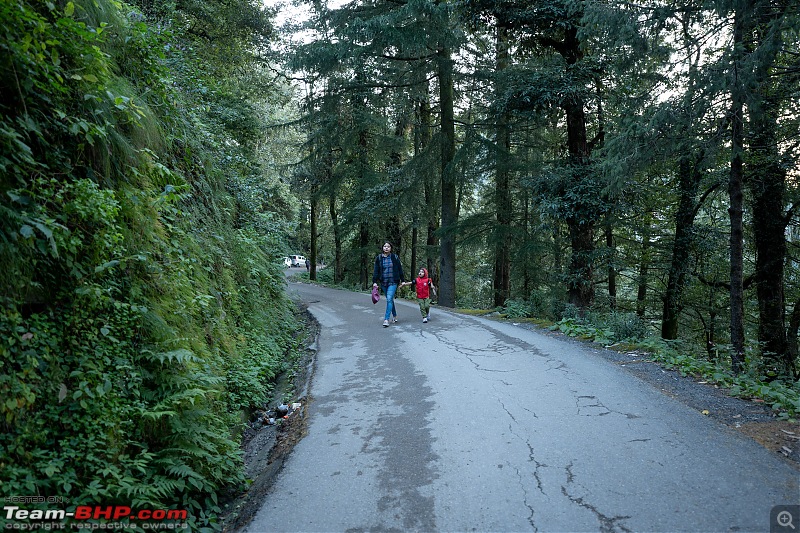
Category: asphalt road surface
<point>467,424</point>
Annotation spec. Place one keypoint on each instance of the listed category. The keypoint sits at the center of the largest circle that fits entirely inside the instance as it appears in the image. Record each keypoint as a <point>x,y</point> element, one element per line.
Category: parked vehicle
<point>297,260</point>
<point>287,261</point>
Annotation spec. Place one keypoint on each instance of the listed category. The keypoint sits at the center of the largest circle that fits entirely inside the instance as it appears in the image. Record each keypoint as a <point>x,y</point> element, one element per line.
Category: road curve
<point>467,424</point>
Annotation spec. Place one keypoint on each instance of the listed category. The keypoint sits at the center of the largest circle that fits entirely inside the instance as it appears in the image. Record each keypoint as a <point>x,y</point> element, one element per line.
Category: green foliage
<point>325,276</point>
<point>142,307</point>
<point>782,396</point>
<point>515,308</point>
<point>602,328</point>
<point>584,330</point>
<point>627,326</point>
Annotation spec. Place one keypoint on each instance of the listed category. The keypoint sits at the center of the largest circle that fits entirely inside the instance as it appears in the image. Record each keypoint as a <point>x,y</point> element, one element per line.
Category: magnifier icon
<point>785,519</point>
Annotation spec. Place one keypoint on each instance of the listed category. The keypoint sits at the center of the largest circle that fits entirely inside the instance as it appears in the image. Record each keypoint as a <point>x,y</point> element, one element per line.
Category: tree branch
<point>749,280</point>
<point>703,198</point>
<point>417,58</point>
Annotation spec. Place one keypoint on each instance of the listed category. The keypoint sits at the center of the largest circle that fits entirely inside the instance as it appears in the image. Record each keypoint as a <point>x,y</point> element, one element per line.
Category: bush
<point>627,326</point>
<point>325,276</point>
<point>517,309</point>
<point>570,312</point>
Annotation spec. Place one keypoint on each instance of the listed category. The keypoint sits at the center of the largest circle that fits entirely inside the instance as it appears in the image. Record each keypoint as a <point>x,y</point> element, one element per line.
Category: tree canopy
<point>598,156</point>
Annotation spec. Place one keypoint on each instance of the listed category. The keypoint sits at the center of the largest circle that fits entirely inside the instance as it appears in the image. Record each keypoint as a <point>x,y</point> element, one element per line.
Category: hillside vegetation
<point>142,296</point>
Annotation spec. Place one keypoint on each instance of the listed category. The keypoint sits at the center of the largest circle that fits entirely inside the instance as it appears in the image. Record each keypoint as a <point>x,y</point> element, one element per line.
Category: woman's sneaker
<point>386,323</point>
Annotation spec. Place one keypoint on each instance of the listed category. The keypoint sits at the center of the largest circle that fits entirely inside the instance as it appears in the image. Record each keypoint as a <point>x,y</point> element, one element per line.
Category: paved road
<point>466,424</point>
<point>291,271</point>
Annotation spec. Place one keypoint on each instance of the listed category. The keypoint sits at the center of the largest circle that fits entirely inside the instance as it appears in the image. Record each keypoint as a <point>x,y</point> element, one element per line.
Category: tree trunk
<point>794,327</point>
<point>558,255</point>
<point>688,186</point>
<point>581,220</point>
<point>612,273</point>
<point>447,281</point>
<point>526,226</point>
<point>312,254</point>
<point>581,266</point>
<point>432,243</point>
<point>767,186</point>
<point>422,140</point>
<point>735,208</point>
<point>503,205</point>
<point>766,179</point>
<point>337,240</point>
<point>711,331</point>
<point>582,217</point>
<point>597,143</point>
<point>394,234</point>
<point>365,272</point>
<point>414,239</point>
<point>644,266</point>
<point>401,132</point>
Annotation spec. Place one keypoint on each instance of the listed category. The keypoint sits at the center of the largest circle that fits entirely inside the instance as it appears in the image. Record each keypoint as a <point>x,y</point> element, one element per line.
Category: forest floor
<point>266,447</point>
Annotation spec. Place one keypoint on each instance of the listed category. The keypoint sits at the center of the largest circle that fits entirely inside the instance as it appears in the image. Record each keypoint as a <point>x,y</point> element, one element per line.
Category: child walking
<point>423,285</point>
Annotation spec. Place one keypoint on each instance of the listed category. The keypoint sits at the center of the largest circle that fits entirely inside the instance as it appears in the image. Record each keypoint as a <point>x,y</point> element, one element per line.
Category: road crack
<point>522,475</point>
<point>608,524</point>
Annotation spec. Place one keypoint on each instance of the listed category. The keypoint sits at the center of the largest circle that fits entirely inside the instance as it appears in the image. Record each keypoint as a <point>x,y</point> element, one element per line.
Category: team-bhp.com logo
<point>94,517</point>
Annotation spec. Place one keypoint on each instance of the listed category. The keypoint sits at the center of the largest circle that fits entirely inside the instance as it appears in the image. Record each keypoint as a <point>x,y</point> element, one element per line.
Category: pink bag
<point>375,295</point>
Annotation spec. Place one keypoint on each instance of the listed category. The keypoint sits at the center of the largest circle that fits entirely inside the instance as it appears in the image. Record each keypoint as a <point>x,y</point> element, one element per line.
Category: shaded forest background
<point>623,172</point>
<point>631,166</point>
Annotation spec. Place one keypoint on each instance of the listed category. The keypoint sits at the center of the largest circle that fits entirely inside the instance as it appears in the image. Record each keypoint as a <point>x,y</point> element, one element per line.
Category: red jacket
<point>423,286</point>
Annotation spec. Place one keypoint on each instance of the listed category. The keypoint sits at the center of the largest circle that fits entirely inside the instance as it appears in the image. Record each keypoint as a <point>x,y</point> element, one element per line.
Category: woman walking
<point>389,271</point>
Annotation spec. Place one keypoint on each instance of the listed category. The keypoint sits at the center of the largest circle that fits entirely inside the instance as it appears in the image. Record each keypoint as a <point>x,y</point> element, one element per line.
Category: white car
<point>287,262</point>
<point>297,260</point>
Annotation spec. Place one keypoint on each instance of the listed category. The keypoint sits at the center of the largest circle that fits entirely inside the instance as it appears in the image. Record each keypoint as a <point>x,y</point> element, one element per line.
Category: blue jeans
<point>390,310</point>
